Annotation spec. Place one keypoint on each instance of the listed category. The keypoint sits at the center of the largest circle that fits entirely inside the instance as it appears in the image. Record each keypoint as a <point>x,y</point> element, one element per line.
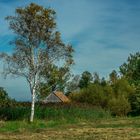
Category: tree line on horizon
<point>120,94</point>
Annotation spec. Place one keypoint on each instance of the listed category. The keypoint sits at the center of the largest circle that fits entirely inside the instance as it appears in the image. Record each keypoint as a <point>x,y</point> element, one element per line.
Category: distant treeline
<point>119,94</point>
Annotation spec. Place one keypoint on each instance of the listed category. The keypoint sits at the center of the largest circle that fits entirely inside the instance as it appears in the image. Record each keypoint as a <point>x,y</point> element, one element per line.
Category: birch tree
<point>57,79</point>
<point>37,46</point>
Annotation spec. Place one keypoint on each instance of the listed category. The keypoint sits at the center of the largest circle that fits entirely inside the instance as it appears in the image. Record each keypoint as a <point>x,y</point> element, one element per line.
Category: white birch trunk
<point>33,105</point>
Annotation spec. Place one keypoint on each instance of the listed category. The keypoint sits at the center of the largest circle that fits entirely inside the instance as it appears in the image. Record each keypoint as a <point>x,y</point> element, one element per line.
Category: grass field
<point>66,122</point>
<point>102,129</point>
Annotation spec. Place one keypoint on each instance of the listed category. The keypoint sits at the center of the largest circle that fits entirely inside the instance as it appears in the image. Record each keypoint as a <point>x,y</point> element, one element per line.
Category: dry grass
<point>85,133</point>
<point>104,130</point>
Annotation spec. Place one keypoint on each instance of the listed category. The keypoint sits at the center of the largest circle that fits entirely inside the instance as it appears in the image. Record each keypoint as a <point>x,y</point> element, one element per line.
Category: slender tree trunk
<point>33,105</point>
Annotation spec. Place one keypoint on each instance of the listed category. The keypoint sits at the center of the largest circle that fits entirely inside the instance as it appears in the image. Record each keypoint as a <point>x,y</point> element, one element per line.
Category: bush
<point>119,106</point>
<point>14,113</point>
<point>134,100</point>
<point>122,87</point>
<point>5,100</point>
<point>94,94</point>
<point>113,97</point>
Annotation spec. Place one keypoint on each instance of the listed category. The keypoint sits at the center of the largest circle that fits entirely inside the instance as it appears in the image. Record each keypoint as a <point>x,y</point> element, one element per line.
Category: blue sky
<point>102,32</point>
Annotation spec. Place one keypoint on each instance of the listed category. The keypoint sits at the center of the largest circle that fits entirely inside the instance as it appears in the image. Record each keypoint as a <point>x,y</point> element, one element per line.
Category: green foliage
<point>85,80</point>
<point>134,100</point>
<point>122,88</point>
<point>103,82</point>
<point>44,91</point>
<point>96,78</point>
<point>119,106</point>
<point>3,94</point>
<point>14,113</point>
<point>57,78</point>
<point>68,112</point>
<point>5,100</point>
<point>113,77</point>
<point>94,94</point>
<point>113,96</point>
<point>131,69</point>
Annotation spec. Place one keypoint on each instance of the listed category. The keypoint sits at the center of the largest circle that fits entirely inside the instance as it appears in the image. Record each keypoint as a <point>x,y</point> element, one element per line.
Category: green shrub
<point>5,100</point>
<point>14,113</point>
<point>134,100</point>
<point>94,94</point>
<point>119,106</point>
<point>122,88</point>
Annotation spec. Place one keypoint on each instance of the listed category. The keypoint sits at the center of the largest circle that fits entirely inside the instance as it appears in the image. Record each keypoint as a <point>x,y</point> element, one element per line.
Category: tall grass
<point>68,113</point>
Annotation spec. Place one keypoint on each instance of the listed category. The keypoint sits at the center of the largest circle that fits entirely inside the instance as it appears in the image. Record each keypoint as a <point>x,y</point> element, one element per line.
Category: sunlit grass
<point>68,122</point>
<point>109,129</point>
<point>17,119</point>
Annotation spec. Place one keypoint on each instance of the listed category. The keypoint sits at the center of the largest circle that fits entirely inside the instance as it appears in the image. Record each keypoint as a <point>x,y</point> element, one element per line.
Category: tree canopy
<point>131,69</point>
<point>86,78</point>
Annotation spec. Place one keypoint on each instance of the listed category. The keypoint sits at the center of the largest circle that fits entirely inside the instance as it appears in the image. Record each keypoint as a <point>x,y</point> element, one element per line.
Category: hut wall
<point>52,98</point>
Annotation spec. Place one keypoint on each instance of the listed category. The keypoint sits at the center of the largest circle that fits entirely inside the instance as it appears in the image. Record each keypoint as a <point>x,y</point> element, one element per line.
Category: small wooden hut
<point>56,97</point>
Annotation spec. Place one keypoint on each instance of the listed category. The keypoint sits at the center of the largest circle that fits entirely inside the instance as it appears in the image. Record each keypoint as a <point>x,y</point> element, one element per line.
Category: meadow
<point>68,121</point>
